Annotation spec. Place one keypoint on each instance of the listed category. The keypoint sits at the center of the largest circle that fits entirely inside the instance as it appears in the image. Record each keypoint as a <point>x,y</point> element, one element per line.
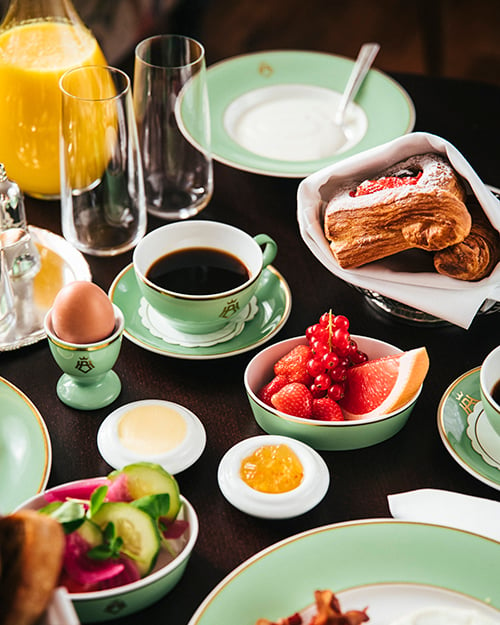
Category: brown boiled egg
<point>82,313</point>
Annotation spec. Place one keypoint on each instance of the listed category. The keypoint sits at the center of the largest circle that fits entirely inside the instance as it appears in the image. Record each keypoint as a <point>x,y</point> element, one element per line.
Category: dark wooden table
<point>467,114</point>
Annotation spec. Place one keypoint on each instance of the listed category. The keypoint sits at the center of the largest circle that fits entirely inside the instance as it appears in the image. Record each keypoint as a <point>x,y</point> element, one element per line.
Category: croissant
<point>416,203</point>
<point>476,256</point>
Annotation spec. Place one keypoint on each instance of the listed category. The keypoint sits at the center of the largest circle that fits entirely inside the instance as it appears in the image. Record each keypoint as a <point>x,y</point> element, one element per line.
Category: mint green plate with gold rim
<point>273,298</point>
<point>357,555</point>
<point>459,412</point>
<point>388,109</point>
<point>25,448</point>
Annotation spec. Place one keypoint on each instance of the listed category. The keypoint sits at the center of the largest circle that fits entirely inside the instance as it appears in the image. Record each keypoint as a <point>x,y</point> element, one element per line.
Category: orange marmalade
<point>272,469</point>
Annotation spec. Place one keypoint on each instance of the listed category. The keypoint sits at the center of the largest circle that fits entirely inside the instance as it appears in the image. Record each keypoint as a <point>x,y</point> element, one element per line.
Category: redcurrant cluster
<point>334,351</point>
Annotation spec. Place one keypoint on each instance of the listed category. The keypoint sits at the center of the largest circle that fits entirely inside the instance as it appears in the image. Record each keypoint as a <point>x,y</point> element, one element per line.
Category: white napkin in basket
<point>442,507</point>
<point>453,300</point>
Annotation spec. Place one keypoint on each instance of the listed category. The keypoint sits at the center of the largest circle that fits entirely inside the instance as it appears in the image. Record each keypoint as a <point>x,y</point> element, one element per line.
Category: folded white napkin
<point>442,507</point>
<point>453,300</point>
<point>60,610</point>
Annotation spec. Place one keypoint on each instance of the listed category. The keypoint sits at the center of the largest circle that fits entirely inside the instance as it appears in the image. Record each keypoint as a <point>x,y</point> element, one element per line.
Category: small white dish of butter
<point>152,430</point>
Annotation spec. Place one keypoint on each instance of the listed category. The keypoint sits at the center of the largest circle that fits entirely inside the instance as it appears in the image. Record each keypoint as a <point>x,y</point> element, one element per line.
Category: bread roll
<point>31,555</point>
<point>416,203</point>
<point>476,256</point>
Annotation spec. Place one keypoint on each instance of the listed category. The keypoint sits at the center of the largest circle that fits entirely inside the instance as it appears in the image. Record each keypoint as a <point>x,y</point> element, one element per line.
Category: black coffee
<point>198,271</point>
<point>495,393</point>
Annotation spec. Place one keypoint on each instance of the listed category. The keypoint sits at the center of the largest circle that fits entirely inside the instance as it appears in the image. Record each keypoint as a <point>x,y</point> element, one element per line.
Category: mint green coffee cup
<point>194,312</point>
<point>489,378</point>
<point>88,381</point>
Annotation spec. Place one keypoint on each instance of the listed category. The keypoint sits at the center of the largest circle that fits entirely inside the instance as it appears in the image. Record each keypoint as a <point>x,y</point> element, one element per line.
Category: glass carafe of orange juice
<point>39,41</point>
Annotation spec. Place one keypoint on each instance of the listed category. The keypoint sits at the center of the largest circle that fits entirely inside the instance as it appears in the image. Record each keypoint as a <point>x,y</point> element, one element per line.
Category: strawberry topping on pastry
<point>389,182</point>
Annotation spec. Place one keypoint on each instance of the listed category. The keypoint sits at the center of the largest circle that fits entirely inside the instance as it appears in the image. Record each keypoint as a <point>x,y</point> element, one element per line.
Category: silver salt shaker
<point>21,255</point>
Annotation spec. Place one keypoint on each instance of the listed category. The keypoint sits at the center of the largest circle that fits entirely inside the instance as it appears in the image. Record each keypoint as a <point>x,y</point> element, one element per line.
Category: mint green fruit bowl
<point>106,605</point>
<point>321,435</point>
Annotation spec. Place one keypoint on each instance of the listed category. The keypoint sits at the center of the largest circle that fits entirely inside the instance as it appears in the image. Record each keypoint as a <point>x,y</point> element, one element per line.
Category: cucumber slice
<point>91,533</point>
<point>141,539</point>
<point>147,478</point>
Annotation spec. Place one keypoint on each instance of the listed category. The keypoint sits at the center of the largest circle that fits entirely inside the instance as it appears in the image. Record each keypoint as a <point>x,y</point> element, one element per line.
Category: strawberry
<point>272,387</point>
<point>390,182</point>
<point>325,409</point>
<point>294,399</point>
<point>294,365</point>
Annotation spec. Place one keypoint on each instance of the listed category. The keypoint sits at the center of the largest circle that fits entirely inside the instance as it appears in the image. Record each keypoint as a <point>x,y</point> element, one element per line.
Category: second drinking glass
<point>103,206</point>
<point>172,113</point>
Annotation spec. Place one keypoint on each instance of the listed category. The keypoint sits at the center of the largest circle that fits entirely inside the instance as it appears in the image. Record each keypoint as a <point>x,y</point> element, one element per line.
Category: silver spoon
<point>364,61</point>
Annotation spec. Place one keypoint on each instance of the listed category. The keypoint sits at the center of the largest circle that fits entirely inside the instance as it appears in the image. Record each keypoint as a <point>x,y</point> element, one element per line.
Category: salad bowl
<point>112,603</point>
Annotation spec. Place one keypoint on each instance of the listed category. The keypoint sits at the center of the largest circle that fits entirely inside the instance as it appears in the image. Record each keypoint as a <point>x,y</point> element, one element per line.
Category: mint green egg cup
<point>88,381</point>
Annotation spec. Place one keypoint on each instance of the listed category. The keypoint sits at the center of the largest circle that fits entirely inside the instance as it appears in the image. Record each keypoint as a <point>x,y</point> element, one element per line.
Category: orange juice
<point>33,56</point>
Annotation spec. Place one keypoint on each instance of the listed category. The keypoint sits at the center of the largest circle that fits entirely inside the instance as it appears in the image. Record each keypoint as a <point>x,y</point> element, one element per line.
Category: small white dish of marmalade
<point>273,477</point>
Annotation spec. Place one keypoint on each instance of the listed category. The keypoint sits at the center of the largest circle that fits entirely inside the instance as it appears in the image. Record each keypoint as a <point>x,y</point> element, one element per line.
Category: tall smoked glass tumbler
<point>172,113</point>
<point>103,205</point>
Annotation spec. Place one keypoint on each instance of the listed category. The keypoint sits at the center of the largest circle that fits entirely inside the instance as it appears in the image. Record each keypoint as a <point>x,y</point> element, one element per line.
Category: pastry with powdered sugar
<point>415,203</point>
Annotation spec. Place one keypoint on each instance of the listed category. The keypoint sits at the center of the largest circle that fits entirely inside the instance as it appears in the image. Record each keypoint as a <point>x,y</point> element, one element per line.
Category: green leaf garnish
<point>110,547</point>
<point>70,514</point>
<point>97,499</point>
<point>154,505</point>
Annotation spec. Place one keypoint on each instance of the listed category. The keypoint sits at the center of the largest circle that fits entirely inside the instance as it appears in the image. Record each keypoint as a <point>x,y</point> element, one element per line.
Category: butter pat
<point>151,429</point>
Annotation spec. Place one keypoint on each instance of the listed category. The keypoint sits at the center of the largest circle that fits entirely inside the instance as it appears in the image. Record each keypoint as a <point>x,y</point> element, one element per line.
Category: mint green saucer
<point>274,301</point>
<point>461,423</point>
<point>388,109</point>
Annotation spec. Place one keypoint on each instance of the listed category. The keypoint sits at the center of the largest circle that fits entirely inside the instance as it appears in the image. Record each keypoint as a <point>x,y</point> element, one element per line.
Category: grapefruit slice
<point>383,385</point>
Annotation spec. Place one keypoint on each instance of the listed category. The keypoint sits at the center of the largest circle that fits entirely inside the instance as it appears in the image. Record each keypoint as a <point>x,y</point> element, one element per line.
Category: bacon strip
<point>328,613</point>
